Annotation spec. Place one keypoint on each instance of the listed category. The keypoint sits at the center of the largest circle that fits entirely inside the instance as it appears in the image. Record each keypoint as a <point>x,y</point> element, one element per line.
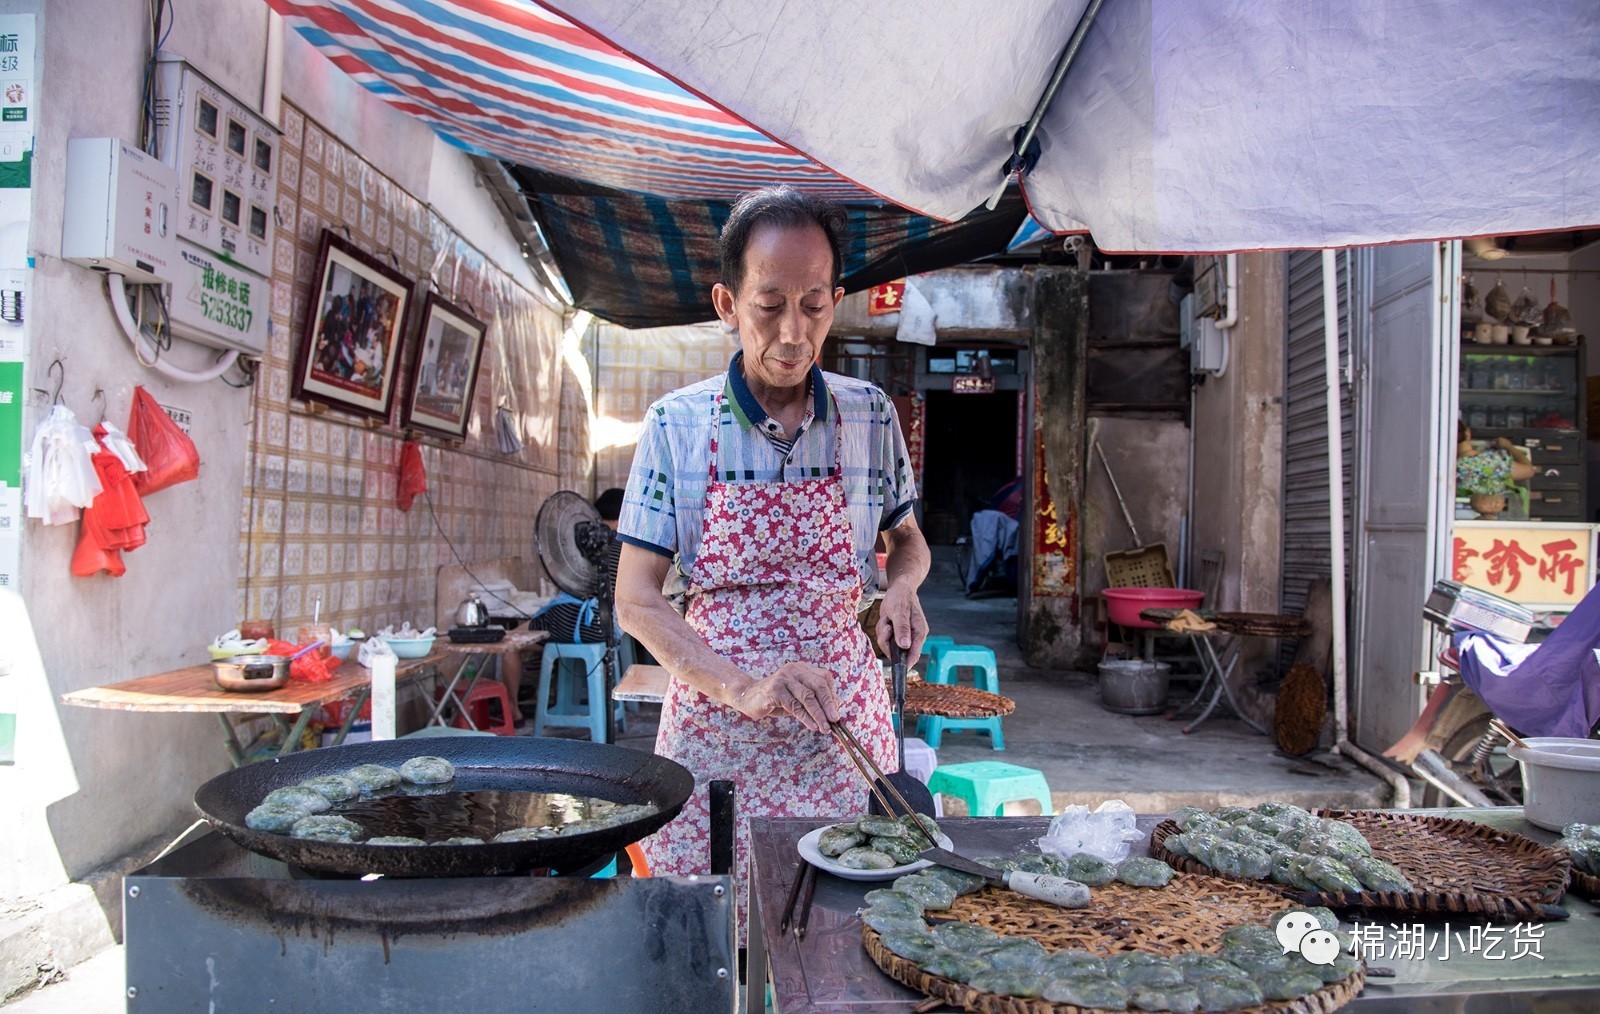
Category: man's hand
<point>901,621</point>
<point>795,688</point>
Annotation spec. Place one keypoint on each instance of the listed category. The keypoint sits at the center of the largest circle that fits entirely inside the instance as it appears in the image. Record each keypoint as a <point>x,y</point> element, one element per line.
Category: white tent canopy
<point>1181,125</point>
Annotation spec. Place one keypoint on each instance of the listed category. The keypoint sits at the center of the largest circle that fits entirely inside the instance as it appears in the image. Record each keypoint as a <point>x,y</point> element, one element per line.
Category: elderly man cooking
<point>755,500</point>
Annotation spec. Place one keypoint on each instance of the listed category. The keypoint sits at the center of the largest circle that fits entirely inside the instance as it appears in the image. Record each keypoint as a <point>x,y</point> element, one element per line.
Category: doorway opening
<point>971,452</point>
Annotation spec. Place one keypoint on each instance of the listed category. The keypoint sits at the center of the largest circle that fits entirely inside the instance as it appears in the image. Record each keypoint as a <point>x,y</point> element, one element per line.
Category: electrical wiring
<point>428,499</point>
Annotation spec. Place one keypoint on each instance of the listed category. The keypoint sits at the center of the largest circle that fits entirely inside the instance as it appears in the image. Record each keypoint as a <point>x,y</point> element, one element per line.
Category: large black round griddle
<point>482,762</point>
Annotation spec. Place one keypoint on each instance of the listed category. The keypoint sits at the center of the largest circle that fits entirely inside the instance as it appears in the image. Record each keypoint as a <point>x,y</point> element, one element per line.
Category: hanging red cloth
<point>413,479</point>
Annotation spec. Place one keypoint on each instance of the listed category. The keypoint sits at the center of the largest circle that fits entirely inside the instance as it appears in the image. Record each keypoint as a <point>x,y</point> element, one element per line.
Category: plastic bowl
<point>414,647</point>
<point>1560,780</point>
<point>342,649</point>
<point>218,654</point>
<point>1125,604</point>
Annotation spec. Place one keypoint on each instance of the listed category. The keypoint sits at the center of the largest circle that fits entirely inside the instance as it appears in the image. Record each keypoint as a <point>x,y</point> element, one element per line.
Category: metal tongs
<point>1041,886</point>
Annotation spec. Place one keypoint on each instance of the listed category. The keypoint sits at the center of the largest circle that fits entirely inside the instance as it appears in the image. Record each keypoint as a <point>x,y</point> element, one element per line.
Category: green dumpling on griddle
<point>427,771</point>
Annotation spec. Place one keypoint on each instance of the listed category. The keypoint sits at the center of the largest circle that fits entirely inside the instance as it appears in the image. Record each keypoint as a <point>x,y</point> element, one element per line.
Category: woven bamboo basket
<point>1585,885</point>
<point>954,701</point>
<point>1190,913</point>
<point>1455,866</point>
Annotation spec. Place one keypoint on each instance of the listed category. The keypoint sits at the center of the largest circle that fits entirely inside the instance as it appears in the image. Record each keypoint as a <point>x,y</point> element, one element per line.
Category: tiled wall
<point>633,369</point>
<point>320,518</point>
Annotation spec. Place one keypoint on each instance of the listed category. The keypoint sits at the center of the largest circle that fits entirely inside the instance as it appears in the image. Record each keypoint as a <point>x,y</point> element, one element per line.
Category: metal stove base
<point>212,927</point>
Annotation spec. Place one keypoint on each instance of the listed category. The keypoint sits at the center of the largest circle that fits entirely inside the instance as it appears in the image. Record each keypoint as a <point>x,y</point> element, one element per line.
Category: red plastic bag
<point>113,523</point>
<point>308,668</point>
<point>168,452</point>
<point>413,479</point>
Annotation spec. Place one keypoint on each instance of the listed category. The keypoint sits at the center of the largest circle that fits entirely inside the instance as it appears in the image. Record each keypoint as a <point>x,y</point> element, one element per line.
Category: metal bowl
<point>251,673</point>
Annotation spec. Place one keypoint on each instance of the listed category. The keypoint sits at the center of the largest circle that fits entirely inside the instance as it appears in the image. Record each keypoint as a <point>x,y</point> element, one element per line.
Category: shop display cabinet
<point>1535,396</point>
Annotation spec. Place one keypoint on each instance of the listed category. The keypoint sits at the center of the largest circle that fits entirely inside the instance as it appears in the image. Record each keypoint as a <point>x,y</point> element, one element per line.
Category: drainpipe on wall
<point>1341,676</point>
<point>272,77</point>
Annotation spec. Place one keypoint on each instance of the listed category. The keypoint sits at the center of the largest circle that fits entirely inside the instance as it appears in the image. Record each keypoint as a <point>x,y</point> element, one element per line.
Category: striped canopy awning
<point>510,79</point>
<point>629,175</point>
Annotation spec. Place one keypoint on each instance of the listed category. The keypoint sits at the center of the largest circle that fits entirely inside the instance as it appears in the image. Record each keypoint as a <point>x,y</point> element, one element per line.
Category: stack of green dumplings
<point>1285,844</point>
<point>301,810</point>
<point>1249,968</point>
<point>873,842</point>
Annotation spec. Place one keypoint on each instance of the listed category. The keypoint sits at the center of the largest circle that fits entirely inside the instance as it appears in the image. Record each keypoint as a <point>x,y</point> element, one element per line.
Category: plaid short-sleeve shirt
<point>664,506</point>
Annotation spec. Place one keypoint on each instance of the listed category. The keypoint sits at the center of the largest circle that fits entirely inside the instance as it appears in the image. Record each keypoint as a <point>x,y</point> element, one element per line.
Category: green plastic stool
<point>988,785</point>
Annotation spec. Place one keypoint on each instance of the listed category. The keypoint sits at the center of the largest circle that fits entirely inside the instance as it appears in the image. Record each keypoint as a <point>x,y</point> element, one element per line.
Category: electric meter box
<point>226,159</point>
<point>120,205</point>
<point>1201,336</point>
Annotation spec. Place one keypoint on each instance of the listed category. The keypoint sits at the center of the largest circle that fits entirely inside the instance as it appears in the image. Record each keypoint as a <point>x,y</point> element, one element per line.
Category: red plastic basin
<point>1124,604</point>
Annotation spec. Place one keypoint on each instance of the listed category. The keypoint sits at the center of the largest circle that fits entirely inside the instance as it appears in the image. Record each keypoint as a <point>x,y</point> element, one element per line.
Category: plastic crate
<point>1146,567</point>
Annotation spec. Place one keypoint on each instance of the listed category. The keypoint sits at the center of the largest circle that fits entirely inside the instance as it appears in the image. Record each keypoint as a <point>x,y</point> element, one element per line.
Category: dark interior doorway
<point>971,452</point>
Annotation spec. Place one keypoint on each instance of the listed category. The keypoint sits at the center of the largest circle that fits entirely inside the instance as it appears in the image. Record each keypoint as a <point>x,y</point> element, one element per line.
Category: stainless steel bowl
<point>251,673</point>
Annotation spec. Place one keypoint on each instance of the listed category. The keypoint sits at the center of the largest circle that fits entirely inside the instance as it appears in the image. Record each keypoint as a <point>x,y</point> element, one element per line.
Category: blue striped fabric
<point>511,79</point>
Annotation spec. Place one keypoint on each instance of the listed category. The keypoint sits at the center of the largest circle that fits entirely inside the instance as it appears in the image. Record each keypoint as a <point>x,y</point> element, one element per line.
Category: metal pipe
<point>1336,533</point>
<point>272,77</point>
<point>1068,53</point>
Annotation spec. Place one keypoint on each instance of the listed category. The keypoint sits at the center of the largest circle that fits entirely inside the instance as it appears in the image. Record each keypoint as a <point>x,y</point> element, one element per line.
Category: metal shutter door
<point>1306,553</point>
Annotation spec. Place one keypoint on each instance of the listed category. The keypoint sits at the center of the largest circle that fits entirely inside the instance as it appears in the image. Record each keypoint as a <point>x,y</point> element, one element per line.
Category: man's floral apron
<point>776,580</point>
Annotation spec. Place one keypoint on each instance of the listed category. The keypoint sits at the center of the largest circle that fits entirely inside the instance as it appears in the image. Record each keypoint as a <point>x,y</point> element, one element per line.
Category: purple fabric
<point>1548,689</point>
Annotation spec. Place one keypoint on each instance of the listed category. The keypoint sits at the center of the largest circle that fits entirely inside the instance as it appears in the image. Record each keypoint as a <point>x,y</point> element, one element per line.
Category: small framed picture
<point>444,369</point>
<point>354,326</point>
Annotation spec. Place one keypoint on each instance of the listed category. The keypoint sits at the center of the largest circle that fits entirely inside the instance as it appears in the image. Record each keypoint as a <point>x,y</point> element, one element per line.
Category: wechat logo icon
<point>1300,933</point>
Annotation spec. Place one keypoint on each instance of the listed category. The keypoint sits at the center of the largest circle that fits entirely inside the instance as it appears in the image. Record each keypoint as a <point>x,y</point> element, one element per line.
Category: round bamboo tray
<point>1585,885</point>
<point>952,701</point>
<point>1190,913</point>
<point>1455,866</point>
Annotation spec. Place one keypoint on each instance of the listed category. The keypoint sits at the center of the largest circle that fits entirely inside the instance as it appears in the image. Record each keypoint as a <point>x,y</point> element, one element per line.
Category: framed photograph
<point>444,370</point>
<point>354,326</point>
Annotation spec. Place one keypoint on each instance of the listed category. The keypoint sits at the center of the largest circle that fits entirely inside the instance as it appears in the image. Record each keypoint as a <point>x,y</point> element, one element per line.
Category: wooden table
<point>191,690</point>
<point>493,651</point>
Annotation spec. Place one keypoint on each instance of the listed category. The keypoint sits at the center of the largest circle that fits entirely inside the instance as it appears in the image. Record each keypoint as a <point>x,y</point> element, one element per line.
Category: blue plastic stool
<point>985,676</point>
<point>987,786</point>
<point>931,647</point>
<point>980,659</point>
<point>574,664</point>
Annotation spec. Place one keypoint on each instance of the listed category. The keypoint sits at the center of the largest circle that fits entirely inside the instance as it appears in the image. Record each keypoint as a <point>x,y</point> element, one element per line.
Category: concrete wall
<point>1238,465</point>
<point>126,777</point>
<point>1238,426</point>
<point>90,786</point>
<point>980,302</point>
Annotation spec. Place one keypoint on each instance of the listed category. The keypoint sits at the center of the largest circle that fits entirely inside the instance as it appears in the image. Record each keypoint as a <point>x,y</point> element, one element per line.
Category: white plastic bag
<point>1106,832</point>
<point>60,476</point>
<point>117,443</point>
<point>371,648</point>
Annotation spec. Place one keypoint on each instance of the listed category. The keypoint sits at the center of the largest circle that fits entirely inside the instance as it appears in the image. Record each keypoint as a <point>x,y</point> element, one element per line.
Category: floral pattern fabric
<point>775,581</point>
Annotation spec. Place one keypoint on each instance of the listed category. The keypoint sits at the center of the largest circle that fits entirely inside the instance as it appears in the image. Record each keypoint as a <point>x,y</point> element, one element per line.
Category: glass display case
<point>1534,396</point>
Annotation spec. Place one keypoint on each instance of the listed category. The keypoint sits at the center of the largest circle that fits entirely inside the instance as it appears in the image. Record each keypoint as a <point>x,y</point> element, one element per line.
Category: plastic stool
<point>977,657</point>
<point>432,731</point>
<point>561,659</point>
<point>484,693</point>
<point>931,647</point>
<point>988,785</point>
